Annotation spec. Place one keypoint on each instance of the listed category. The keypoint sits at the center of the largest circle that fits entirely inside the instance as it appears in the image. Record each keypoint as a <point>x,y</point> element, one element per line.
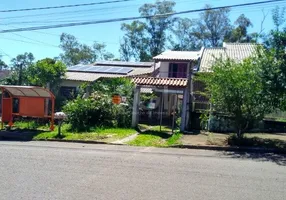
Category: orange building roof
<point>151,81</point>
<point>27,91</point>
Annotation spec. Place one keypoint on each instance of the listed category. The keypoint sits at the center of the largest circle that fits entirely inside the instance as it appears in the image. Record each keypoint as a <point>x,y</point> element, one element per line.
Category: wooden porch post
<point>135,111</point>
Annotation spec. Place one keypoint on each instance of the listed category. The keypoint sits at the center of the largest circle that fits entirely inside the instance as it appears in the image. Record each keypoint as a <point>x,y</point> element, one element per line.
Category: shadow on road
<point>19,135</point>
<point>279,159</point>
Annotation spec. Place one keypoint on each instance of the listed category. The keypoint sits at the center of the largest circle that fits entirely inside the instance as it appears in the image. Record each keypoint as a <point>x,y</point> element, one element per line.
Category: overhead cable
<point>132,18</point>
<point>64,6</point>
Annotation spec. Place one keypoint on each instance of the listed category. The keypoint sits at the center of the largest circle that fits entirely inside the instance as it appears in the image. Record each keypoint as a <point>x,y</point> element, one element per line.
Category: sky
<point>45,43</point>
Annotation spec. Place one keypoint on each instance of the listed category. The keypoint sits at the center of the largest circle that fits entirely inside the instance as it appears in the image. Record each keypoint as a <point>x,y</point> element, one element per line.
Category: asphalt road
<point>40,170</point>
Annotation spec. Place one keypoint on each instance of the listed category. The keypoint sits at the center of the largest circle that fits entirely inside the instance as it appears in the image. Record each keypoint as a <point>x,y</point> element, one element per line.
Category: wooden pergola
<point>26,101</point>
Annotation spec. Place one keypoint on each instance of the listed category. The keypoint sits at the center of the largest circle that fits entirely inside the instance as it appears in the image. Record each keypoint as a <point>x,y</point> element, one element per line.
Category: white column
<point>135,111</point>
<point>184,110</point>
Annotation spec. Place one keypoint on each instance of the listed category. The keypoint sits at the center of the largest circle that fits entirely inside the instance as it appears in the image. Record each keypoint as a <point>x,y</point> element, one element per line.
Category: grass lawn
<point>98,134</point>
<point>104,135</point>
<point>154,138</point>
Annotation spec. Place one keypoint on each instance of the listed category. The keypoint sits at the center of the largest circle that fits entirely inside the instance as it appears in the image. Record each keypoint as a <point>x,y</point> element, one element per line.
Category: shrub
<point>86,113</point>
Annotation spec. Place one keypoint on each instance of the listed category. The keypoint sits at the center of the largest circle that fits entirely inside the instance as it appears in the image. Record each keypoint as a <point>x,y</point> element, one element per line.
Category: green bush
<point>97,111</point>
<point>86,113</point>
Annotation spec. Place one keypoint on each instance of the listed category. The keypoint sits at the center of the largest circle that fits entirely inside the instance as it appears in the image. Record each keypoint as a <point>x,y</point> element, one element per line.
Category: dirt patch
<point>205,138</point>
<point>218,139</point>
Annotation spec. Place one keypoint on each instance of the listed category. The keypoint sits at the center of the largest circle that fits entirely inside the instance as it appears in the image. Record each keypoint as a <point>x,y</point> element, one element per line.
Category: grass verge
<point>156,139</point>
<point>257,141</point>
<point>97,134</point>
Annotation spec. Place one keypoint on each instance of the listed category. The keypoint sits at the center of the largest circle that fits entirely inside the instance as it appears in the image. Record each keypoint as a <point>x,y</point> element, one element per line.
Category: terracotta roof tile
<point>151,81</point>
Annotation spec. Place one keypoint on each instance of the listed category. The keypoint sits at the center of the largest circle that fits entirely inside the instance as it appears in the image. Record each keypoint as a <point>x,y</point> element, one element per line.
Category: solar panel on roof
<point>94,69</point>
<point>114,69</point>
<point>125,70</point>
<point>78,68</point>
<point>101,69</point>
<point>121,63</point>
<point>73,67</point>
<point>105,69</point>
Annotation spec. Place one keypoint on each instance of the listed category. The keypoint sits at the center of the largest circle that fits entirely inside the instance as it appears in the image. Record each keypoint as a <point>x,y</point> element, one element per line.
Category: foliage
<point>212,26</point>
<point>147,97</point>
<point>19,69</point>
<point>272,61</point>
<point>46,71</point>
<point>144,40</point>
<point>85,113</point>
<point>98,110</point>
<point>239,34</point>
<point>233,140</point>
<point>75,53</point>
<point>3,65</point>
<point>185,39</point>
<point>204,118</point>
<point>278,16</point>
<point>235,88</point>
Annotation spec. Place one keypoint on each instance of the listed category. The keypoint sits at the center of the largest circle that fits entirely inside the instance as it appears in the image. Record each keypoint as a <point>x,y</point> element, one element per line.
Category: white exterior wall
<point>70,83</point>
<point>164,69</point>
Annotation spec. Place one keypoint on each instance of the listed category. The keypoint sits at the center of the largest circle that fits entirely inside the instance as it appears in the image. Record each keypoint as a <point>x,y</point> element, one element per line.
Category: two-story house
<point>172,85</point>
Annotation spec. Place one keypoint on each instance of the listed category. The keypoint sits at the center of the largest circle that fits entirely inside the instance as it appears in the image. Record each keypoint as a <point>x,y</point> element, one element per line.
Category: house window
<point>178,70</point>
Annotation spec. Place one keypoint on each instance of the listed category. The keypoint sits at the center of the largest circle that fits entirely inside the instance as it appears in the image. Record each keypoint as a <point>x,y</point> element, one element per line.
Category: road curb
<point>214,148</point>
<point>77,141</point>
<point>236,148</point>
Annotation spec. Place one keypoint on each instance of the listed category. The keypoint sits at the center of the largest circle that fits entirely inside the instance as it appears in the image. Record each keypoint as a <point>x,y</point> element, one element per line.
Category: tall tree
<point>235,89</point>
<point>3,65</point>
<point>75,52</point>
<point>19,69</point>
<point>134,43</point>
<point>184,38</point>
<point>46,71</point>
<point>278,16</point>
<point>151,34</point>
<point>273,68</point>
<point>212,26</point>
<point>240,32</point>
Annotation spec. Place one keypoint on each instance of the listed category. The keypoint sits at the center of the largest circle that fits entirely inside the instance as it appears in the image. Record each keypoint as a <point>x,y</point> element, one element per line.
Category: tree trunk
<point>20,75</point>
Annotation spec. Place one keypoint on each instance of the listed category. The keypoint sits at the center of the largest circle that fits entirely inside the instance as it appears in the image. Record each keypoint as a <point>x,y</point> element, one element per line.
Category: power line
<point>68,19</point>
<point>64,6</point>
<point>132,18</point>
<point>68,12</point>
<point>26,42</point>
<point>5,54</point>
<point>59,35</point>
<point>44,43</point>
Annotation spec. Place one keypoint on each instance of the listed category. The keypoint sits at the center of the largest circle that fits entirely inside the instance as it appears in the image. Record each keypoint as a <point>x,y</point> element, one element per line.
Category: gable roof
<point>235,51</point>
<point>178,56</point>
